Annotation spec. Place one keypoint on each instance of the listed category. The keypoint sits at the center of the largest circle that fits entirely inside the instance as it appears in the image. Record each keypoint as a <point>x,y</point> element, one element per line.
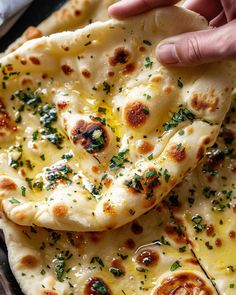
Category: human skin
<point>218,42</point>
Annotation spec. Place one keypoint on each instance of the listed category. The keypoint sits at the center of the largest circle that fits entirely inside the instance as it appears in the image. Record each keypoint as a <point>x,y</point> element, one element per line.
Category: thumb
<point>199,47</point>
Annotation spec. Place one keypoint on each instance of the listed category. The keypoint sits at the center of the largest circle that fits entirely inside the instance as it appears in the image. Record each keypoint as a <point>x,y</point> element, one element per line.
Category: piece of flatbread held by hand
<point>95,132</point>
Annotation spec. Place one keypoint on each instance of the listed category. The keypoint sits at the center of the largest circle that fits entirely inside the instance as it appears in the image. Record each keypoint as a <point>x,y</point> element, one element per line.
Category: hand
<point>213,44</point>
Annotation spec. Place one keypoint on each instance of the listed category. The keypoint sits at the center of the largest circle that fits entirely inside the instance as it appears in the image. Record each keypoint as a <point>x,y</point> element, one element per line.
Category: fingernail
<point>167,54</point>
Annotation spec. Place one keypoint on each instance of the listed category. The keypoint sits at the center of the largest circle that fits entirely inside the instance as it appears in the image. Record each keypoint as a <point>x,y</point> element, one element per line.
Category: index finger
<point>128,8</point>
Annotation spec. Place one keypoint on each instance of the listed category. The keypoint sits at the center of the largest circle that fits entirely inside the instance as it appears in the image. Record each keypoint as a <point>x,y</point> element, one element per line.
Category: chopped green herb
<point>175,265</point>
<point>135,183</point>
<point>151,173</point>
<point>15,156</point>
<point>52,135</point>
<point>199,227</point>
<point>208,245</point>
<point>106,87</point>
<point>166,175</point>
<point>116,271</point>
<point>150,157</point>
<point>208,192</point>
<point>29,182</point>
<point>58,173</point>
<point>182,249</point>
<point>42,157</point>
<point>180,83</point>
<point>146,111</point>
<point>99,119</point>
<point>67,156</point>
<point>98,260</point>
<point>118,161</point>
<point>102,110</point>
<point>182,115</point>
<point>48,115</point>
<point>148,63</point>
<point>29,98</point>
<point>35,135</point>
<point>14,201</point>
<point>147,42</point>
<point>60,266</point>
<point>123,257</point>
<point>100,288</point>
<point>23,191</point>
<point>148,97</point>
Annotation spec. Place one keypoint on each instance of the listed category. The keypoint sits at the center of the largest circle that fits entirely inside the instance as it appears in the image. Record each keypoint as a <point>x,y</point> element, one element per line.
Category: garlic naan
<point>94,131</point>
<point>148,256</point>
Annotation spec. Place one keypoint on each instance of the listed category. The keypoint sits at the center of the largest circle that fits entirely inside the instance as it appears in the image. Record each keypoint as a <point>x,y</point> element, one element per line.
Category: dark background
<point>37,11</point>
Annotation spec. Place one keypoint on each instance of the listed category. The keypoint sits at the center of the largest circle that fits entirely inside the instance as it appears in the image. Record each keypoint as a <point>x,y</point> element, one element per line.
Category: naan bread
<point>94,131</point>
<point>205,205</point>
<point>72,15</point>
<point>148,256</point>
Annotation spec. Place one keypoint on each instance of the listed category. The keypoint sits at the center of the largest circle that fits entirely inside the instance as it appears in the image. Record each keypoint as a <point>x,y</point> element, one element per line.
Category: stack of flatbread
<point>117,173</point>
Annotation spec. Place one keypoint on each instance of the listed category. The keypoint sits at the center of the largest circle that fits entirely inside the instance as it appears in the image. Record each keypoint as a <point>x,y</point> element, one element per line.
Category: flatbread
<point>205,205</point>
<point>102,132</point>
<point>148,256</point>
<point>72,15</point>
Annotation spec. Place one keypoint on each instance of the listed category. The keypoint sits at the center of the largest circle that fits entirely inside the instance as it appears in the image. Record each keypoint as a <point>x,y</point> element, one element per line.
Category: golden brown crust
<point>28,261</point>
<point>172,232</point>
<point>6,125</point>
<point>92,136</point>
<point>184,283</point>
<point>32,33</point>
<point>148,258</point>
<point>178,153</point>
<point>145,147</point>
<point>67,70</point>
<point>121,56</point>
<point>86,73</point>
<point>34,60</point>
<point>204,102</point>
<point>60,210</point>
<point>7,184</point>
<point>91,289</point>
<point>136,114</point>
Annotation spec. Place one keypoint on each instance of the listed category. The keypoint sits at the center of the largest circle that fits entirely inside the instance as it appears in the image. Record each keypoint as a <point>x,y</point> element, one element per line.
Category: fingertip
<point>166,54</point>
<point>116,10</point>
<point>112,10</point>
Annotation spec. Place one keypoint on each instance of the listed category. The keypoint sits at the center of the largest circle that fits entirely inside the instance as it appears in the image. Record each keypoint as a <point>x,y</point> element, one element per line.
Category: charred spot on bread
<point>67,70</point>
<point>28,261</point>
<point>183,283</point>
<point>177,152</point>
<point>60,210</point>
<point>35,60</point>
<point>7,184</point>
<point>136,114</point>
<point>148,258</point>
<point>94,285</point>
<point>121,56</point>
<point>204,101</point>
<point>92,136</point>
